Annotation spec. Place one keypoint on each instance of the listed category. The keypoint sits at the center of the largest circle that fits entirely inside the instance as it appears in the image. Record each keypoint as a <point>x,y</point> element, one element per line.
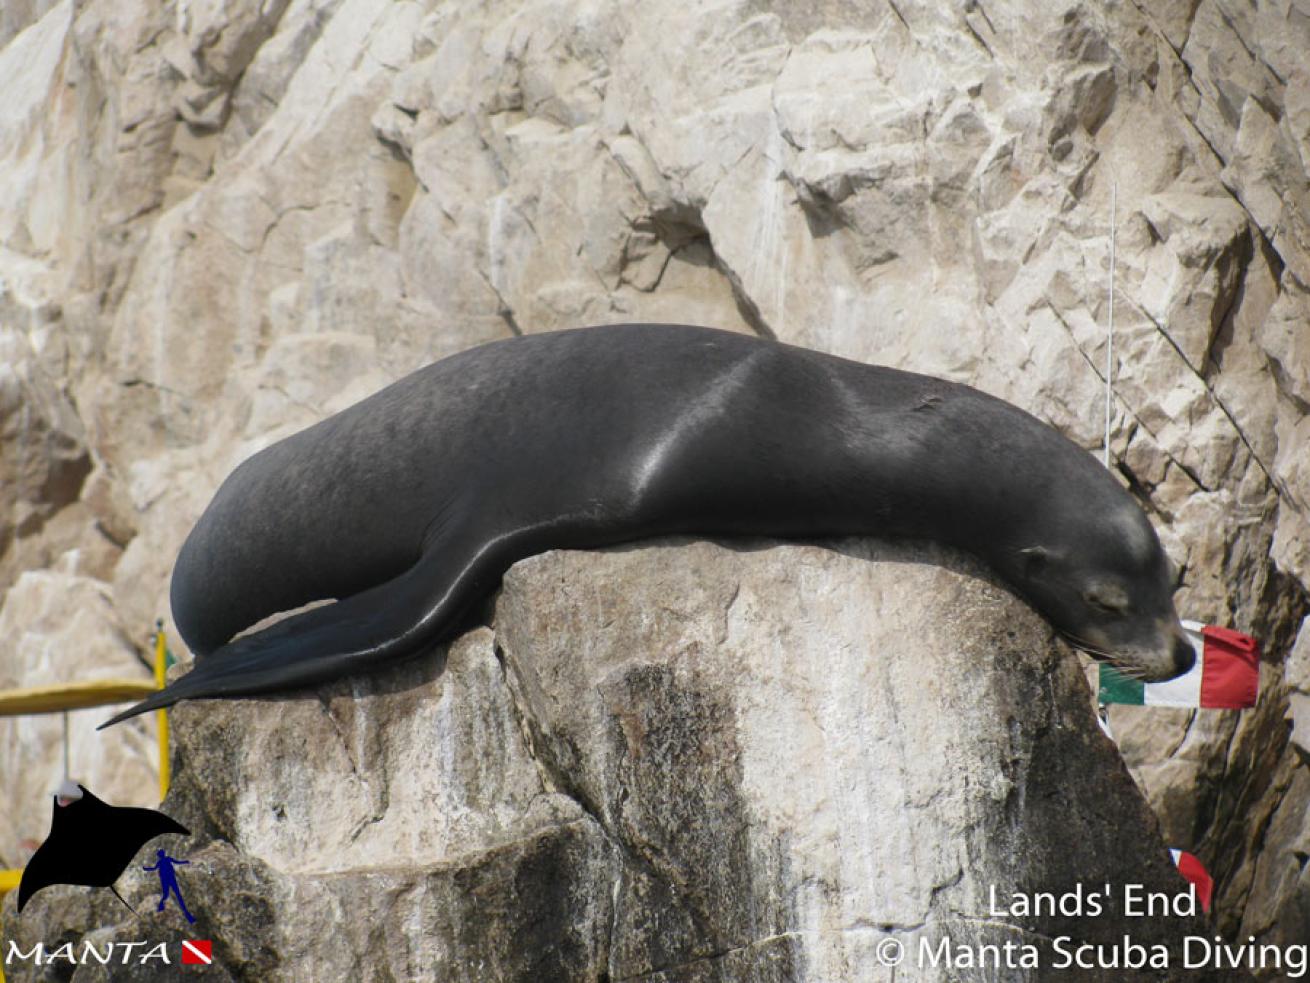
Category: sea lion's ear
<point>1034,560</point>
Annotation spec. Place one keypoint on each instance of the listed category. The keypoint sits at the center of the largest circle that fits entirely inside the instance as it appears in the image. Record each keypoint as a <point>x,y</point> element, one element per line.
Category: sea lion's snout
<point>1184,656</point>
<point>1170,656</point>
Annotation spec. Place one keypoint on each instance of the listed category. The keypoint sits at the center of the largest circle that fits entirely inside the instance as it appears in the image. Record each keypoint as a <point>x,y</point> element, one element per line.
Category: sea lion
<point>408,506</point>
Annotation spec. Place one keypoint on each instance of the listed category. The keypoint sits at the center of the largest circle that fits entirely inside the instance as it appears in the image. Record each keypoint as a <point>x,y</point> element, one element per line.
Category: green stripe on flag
<point>1115,687</point>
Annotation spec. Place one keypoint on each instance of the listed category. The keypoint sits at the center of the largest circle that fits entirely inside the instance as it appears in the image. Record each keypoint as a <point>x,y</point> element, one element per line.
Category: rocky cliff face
<point>223,220</point>
<point>676,762</point>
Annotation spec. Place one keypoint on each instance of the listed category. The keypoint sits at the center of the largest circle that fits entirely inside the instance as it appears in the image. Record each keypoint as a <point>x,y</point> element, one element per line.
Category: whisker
<point>1118,662</point>
<point>1086,646</point>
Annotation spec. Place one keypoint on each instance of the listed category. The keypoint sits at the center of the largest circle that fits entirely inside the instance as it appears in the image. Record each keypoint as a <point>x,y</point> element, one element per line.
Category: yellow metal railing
<point>161,716</point>
<point>72,696</point>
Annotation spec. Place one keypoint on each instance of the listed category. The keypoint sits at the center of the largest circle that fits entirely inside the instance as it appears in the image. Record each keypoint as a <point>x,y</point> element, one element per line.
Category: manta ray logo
<point>91,843</point>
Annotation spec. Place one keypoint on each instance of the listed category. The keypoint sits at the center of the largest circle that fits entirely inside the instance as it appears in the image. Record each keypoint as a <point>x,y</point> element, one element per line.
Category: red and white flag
<point>1196,874</point>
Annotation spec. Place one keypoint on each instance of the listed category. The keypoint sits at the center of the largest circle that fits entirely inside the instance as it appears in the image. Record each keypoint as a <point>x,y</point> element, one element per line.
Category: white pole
<point>1109,341</point>
<point>1103,715</point>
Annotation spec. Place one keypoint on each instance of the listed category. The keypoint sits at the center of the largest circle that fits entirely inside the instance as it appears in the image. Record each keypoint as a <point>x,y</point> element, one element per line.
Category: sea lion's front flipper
<point>391,621</point>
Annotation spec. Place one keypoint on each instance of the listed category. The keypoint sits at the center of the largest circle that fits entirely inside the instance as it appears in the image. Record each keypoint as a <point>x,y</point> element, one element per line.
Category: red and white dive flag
<point>1196,875</point>
<point>1226,675</point>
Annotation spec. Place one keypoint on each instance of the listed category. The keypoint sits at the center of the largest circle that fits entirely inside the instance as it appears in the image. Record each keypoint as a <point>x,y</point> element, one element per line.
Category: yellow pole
<point>161,654</point>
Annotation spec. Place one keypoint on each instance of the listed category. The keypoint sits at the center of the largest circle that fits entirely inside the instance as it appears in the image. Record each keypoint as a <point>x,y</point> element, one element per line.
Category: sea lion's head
<point>1106,584</point>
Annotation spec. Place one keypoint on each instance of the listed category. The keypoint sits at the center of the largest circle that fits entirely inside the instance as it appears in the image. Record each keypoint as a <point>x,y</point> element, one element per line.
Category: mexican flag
<point>1196,874</point>
<point>1226,675</point>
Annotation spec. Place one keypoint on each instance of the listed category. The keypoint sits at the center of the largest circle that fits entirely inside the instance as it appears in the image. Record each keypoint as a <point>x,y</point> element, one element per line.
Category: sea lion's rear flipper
<point>391,621</point>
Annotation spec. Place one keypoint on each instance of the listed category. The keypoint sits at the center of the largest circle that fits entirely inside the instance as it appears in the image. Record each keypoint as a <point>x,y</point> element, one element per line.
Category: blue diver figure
<point>168,881</point>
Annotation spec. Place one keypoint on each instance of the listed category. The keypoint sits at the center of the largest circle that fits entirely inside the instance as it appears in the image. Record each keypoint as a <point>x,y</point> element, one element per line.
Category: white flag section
<point>1185,690</point>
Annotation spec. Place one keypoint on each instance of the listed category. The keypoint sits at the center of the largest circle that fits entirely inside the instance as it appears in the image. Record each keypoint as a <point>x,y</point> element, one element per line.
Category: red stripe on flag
<point>1231,679</point>
<point>1198,877</point>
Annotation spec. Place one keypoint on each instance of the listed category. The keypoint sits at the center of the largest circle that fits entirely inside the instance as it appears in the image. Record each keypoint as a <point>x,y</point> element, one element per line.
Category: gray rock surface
<point>224,220</point>
<point>675,762</point>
